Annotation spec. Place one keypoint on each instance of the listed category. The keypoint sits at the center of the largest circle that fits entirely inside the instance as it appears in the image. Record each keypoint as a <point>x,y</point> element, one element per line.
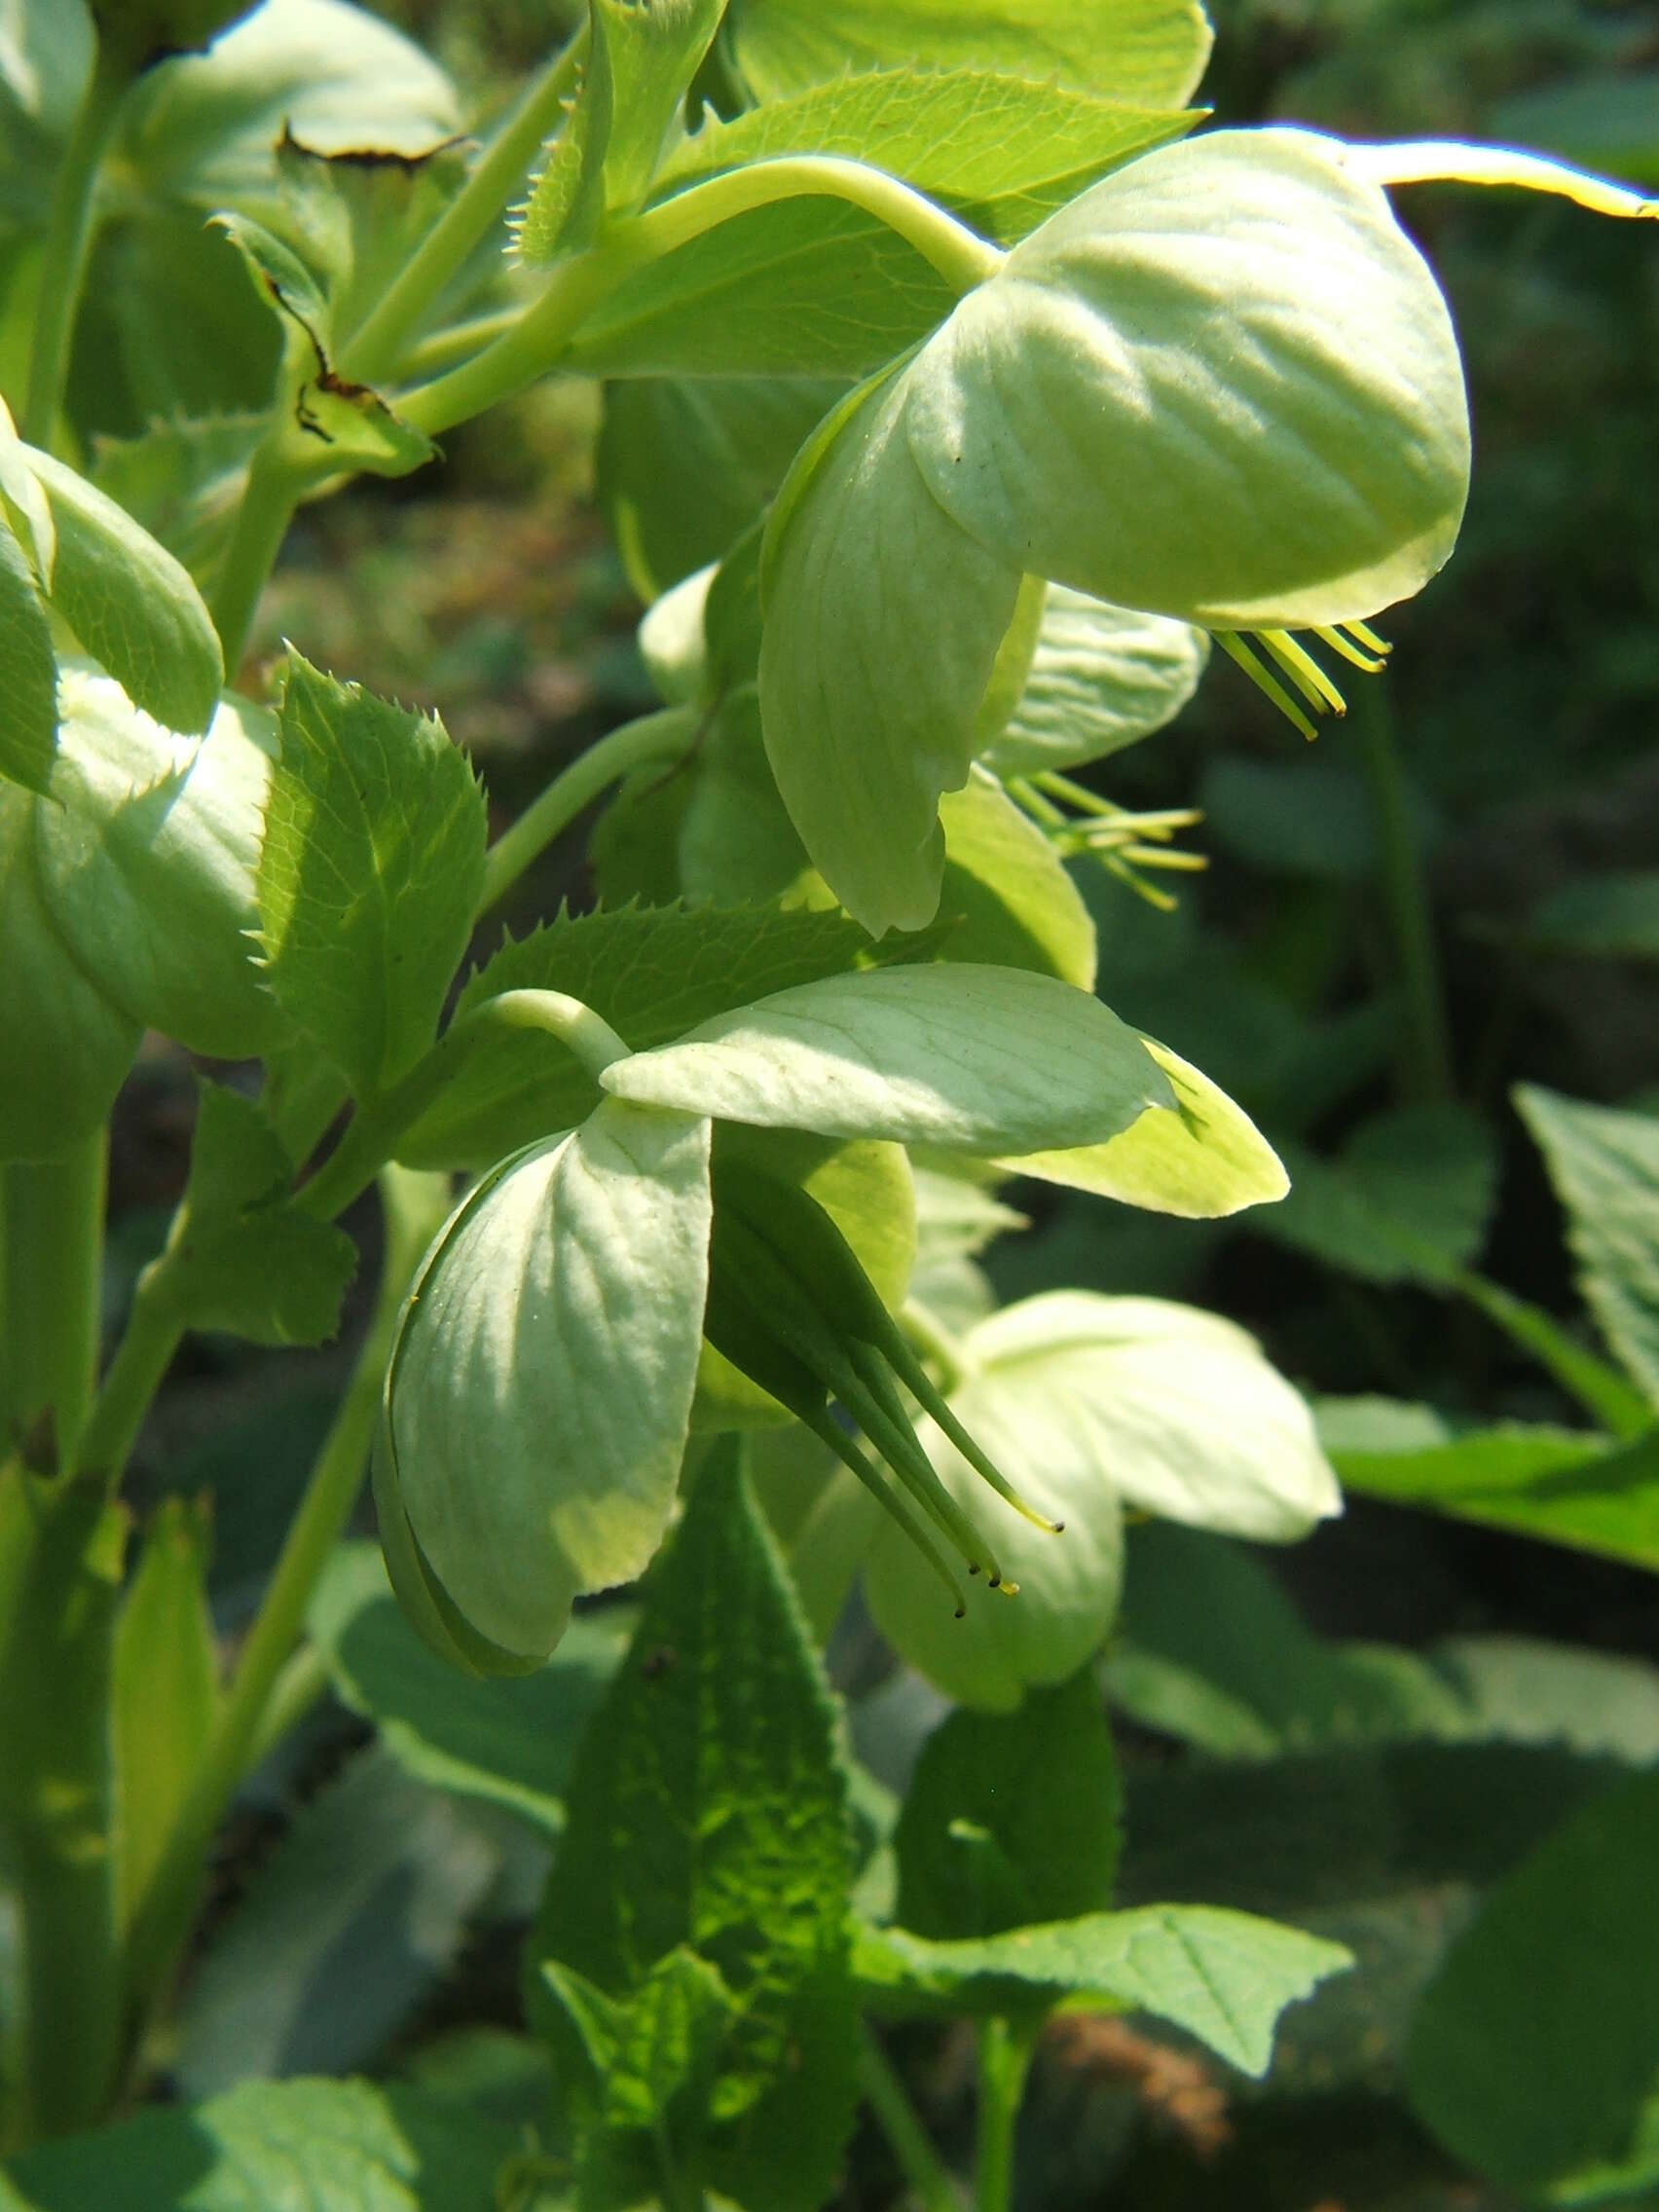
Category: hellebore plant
<point>958,392</point>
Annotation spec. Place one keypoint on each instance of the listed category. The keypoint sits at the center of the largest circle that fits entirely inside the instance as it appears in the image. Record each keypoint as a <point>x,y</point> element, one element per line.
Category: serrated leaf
<point>652,973</point>
<point>1011,1820</point>
<point>166,1687</point>
<point>506,1742</point>
<point>28,673</point>
<point>708,1810</point>
<point>266,2147</point>
<point>1101,678</point>
<point>1605,1167</point>
<point>239,1256</point>
<point>1199,1158</point>
<point>1138,50</point>
<point>130,603</point>
<point>148,856</point>
<point>340,1932</point>
<point>370,875</point>
<point>980,1059</point>
<point>1002,151</point>
<point>1534,2052</point>
<point>1561,1486</point>
<point>1224,1976</point>
<point>78,1045</point>
<point>1096,356</point>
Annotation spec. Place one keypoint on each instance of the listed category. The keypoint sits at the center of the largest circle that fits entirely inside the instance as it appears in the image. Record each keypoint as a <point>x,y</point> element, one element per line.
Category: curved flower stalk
<point>1221,386</point>
<point>539,1395</point>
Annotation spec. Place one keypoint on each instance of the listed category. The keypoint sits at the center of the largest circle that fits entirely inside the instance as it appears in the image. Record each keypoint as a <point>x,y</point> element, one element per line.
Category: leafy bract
<point>863,730</point>
<point>130,603</point>
<point>1604,1166</point>
<point>1002,151</point>
<point>358,217</point>
<point>1153,402</point>
<point>1534,2052</point>
<point>1223,1976</point>
<point>651,972</point>
<point>539,1392</point>
<point>28,672</point>
<point>70,1045</point>
<point>708,1812</point>
<point>1199,1159</point>
<point>347,2146</point>
<point>981,1059</point>
<point>148,857</point>
<point>1406,1201</point>
<point>1151,49</point>
<point>369,876</point>
<point>1101,676</point>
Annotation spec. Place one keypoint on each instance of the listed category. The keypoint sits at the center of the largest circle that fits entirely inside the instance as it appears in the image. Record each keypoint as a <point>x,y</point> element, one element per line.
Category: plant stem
<point>374,348</point>
<point>262,523</point>
<point>662,736</point>
<point>142,1358</point>
<point>52,1230</point>
<point>908,2140</point>
<point>1425,1069</point>
<point>68,240</point>
<point>414,1205</point>
<point>543,335</point>
<point>1004,2048</point>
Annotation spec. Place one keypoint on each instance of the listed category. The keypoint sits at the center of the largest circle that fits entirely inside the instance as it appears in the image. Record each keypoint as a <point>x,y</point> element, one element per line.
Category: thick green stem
<point>543,335</point>
<point>663,736</point>
<point>161,1922</point>
<point>1425,1071</point>
<point>908,2140</point>
<point>142,1358</point>
<point>374,349</point>
<point>51,1226</point>
<point>262,523</point>
<point>1004,2048</point>
<point>68,240</point>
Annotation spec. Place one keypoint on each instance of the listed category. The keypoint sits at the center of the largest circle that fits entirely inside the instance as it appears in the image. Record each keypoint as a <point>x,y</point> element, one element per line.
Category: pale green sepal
<point>540,1389</point>
<point>1200,1158</point>
<point>976,1059</point>
<point>1100,678</point>
<point>883,621</point>
<point>670,640</point>
<point>1010,671</point>
<point>148,860</point>
<point>28,673</point>
<point>1006,899</point>
<point>133,606</point>
<point>28,509</point>
<point>1222,385</point>
<point>1451,161</point>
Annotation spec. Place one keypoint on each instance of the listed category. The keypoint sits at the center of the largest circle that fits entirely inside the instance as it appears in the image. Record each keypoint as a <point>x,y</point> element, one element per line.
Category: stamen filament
<point>1355,655</point>
<point>1236,650</point>
<point>1363,634</point>
<point>1303,672</point>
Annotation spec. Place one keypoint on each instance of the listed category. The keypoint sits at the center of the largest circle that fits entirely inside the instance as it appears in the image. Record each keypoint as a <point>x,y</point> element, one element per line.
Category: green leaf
<point>166,1687</point>
<point>79,1045</point>
<point>1223,1976</point>
<point>653,2055</point>
<point>652,973</point>
<point>863,731</point>
<point>508,1742</point>
<point>130,603</point>
<point>1199,1158</point>
<point>1603,916</point>
<point>539,1392</point>
<point>981,1059</point>
<point>1101,678</point>
<point>1561,1486</point>
<point>708,1811</point>
<point>1301,458</point>
<point>1010,1820</point>
<point>370,875</point>
<point>822,1517</point>
<point>1605,1167</point>
<point>148,857</point>
<point>1000,151</point>
<point>239,1256</point>
<point>1139,49</point>
<point>338,1934</point>
<point>1006,899</point>
<point>639,63</point>
<point>1603,121</point>
<point>183,481</point>
<point>1534,2053</point>
<point>734,834</point>
<point>684,465</point>
<point>1530,1691</point>
<point>265,2147</point>
<point>28,673</point>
